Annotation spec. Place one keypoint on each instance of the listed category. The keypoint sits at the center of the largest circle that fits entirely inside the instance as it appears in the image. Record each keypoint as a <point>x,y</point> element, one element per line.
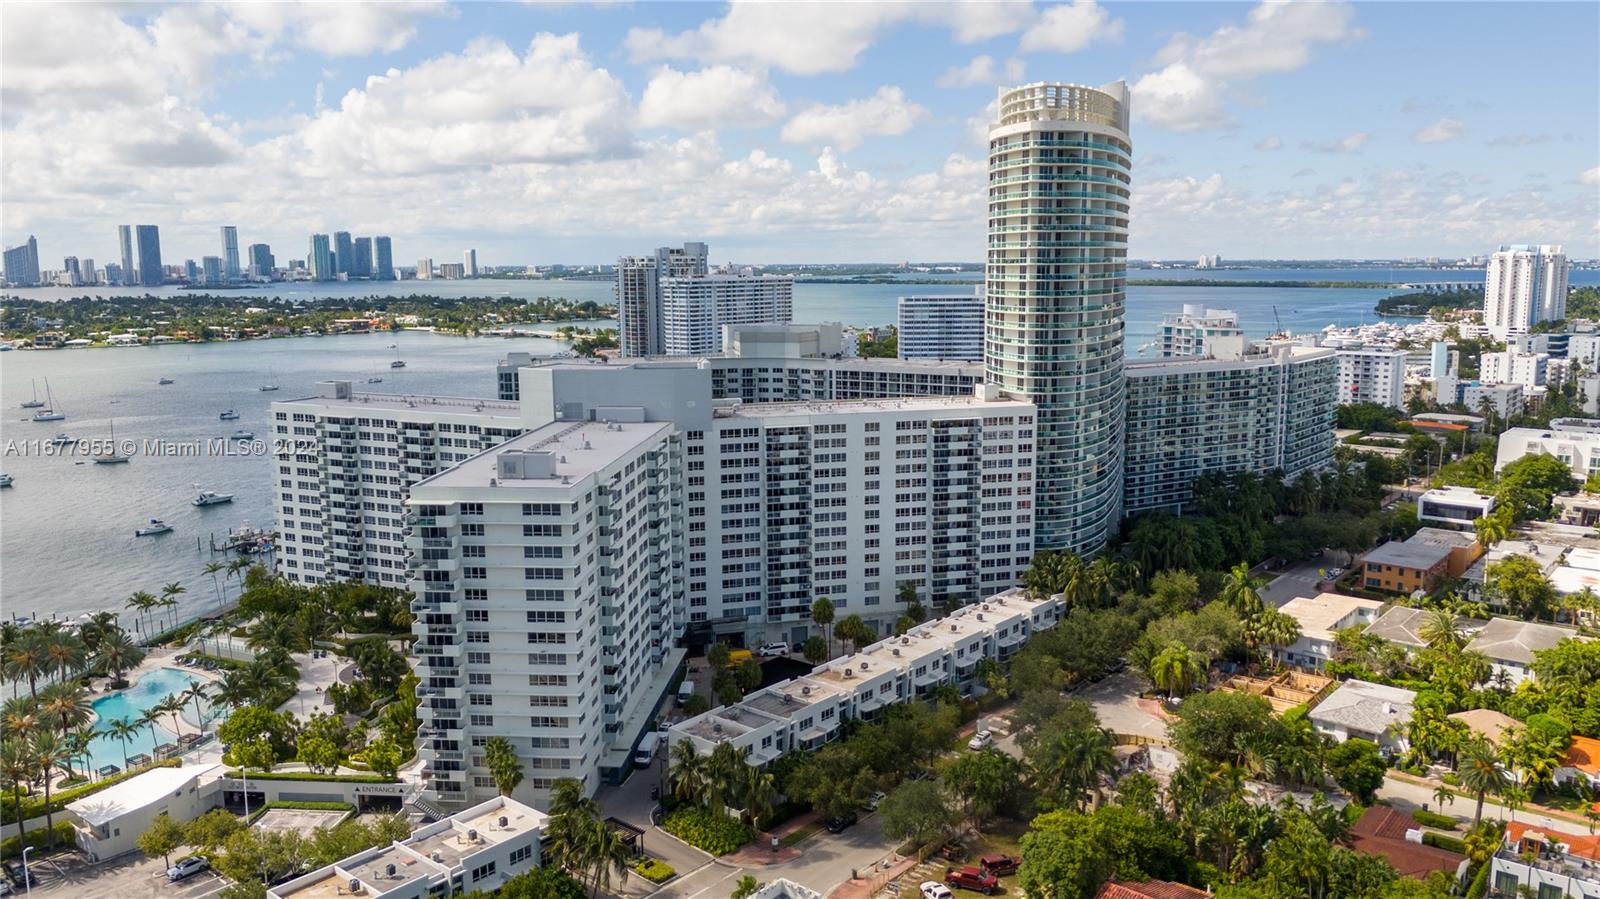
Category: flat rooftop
<point>581,449</point>
<point>413,401</point>
<point>134,793</point>
<point>1319,615</point>
<point>791,697</point>
<point>1408,555</point>
<point>903,404</point>
<point>1456,494</point>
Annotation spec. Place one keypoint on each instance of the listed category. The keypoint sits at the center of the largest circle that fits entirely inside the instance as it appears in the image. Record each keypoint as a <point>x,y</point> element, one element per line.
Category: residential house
<point>1149,889</point>
<point>1510,644</point>
<point>1320,617</point>
<point>1374,712</point>
<point>1459,506</point>
<point>1405,567</point>
<point>1581,764</point>
<point>1548,864</point>
<point>1402,625</point>
<point>1396,837</point>
<point>1489,724</point>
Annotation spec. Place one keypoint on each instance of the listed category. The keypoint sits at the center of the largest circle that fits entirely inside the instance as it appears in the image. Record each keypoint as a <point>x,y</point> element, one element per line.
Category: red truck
<point>970,877</point>
<point>999,865</point>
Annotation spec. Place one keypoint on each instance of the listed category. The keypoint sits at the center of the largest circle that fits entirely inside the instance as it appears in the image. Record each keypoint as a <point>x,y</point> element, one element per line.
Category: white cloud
<point>1270,142</point>
<point>983,70</point>
<point>886,112</point>
<point>485,106</point>
<point>1442,130</point>
<point>346,28</point>
<point>810,38</point>
<point>1519,140</point>
<point>1187,93</point>
<point>1070,27</point>
<point>1350,143</point>
<point>1590,176</point>
<point>715,97</point>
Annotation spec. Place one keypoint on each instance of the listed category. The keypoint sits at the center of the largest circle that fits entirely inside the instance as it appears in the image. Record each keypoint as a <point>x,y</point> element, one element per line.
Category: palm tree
<point>172,705</point>
<point>78,743</point>
<point>686,769</point>
<point>608,851</point>
<point>1439,628</point>
<point>195,693</point>
<point>95,630</point>
<point>64,653</point>
<point>48,751</point>
<point>169,599</point>
<point>759,792</point>
<point>142,602</point>
<point>1239,590</point>
<point>16,772</point>
<point>724,774</point>
<point>571,816</point>
<point>1177,669</point>
<point>65,707</point>
<point>119,654</point>
<point>1491,529</point>
<point>212,568</point>
<point>1444,796</point>
<point>124,729</point>
<point>503,764</point>
<point>1074,765</point>
<point>152,719</point>
<point>235,689</point>
<point>21,716</point>
<point>26,659</point>
<point>1270,627</point>
<point>1480,772</point>
<point>822,616</point>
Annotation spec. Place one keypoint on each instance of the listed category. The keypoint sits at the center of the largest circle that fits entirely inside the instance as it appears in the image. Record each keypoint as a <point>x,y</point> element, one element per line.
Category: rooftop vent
<point>849,672</point>
<point>436,855</point>
<point>905,641</point>
<point>897,651</point>
<point>389,870</point>
<point>805,691</point>
<point>787,698</point>
<point>863,665</point>
<point>472,836</point>
<point>504,821</point>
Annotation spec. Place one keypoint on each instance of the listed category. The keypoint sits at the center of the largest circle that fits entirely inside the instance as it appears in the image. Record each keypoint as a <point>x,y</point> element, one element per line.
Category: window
<point>518,856</point>
<point>482,871</point>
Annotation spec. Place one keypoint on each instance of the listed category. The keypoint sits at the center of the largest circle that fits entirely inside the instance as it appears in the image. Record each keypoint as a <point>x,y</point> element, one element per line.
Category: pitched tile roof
<point>1583,754</point>
<point>1382,831</point>
<point>1149,889</point>
<point>1364,706</point>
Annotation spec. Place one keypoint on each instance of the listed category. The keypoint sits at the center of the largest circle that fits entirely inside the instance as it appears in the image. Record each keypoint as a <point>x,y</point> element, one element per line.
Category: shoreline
<point>549,335</point>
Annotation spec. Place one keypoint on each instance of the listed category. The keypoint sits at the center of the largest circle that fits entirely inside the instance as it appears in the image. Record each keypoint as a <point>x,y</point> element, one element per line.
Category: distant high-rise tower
<point>638,292</point>
<point>382,260</point>
<point>211,270</point>
<point>320,258</point>
<point>1059,164</point>
<point>469,263</point>
<point>150,271</point>
<point>87,271</point>
<point>424,269</point>
<point>361,263</point>
<point>230,252</point>
<point>125,239</point>
<point>261,261</point>
<point>343,252</point>
<point>1524,285</point>
<point>71,274</point>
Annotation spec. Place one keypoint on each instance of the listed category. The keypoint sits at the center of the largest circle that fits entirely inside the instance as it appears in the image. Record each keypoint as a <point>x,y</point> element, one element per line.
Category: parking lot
<point>299,820</point>
<point>71,876</point>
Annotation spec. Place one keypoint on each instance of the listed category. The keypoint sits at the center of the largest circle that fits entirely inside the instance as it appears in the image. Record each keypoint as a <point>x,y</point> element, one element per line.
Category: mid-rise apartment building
<point>1190,332</point>
<point>638,291</point>
<point>1503,400</point>
<point>1372,375</point>
<point>1262,411</point>
<point>941,327</point>
<point>1508,367</point>
<point>345,464</point>
<point>1522,286</point>
<point>546,574</point>
<point>694,310</point>
<point>1575,441</point>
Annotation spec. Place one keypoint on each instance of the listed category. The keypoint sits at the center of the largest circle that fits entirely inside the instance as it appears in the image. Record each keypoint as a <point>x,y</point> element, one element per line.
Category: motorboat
<point>156,526</point>
<point>34,403</point>
<point>267,388</point>
<point>229,415</point>
<point>210,497</point>
<point>62,439</point>
<point>398,363</point>
<point>374,380</point>
<point>243,434</point>
<point>5,480</point>
<point>165,381</point>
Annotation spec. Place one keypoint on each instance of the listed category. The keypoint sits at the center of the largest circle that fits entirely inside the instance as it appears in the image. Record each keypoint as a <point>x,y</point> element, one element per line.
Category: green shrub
<point>1448,844</point>
<point>1451,778</point>
<point>33,806</point>
<point>1434,819</point>
<point>307,775</point>
<point>1480,883</point>
<point>654,870</point>
<point>66,837</point>
<point>704,829</point>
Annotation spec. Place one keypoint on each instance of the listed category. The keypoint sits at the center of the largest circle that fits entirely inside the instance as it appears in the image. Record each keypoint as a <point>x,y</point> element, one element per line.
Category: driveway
<point>131,876</point>
<point>1300,579</point>
<point>631,802</point>
<point>1114,698</point>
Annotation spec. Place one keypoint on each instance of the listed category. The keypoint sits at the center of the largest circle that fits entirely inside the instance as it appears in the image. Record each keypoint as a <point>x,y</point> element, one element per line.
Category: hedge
<point>700,827</point>
<point>308,775</point>
<point>1480,883</point>
<point>1440,841</point>
<point>66,837</point>
<point>654,870</point>
<point>1434,819</point>
<point>33,806</point>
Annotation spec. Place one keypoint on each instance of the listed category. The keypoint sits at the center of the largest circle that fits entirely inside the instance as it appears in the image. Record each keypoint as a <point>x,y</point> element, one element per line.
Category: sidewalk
<point>862,887</point>
<point>758,852</point>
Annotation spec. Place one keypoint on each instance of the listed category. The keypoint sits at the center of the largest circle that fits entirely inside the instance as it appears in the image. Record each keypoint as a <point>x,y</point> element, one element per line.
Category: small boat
<point>165,381</point>
<point>49,413</point>
<point>34,403</point>
<point>229,415</point>
<point>271,383</point>
<point>398,363</point>
<point>374,380</point>
<point>243,434</point>
<point>211,497</point>
<point>62,439</point>
<point>112,456</point>
<point>156,526</point>
<point>5,480</point>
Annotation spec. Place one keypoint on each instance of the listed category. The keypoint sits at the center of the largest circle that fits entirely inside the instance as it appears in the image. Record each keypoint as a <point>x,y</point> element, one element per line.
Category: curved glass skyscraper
<point>1059,176</point>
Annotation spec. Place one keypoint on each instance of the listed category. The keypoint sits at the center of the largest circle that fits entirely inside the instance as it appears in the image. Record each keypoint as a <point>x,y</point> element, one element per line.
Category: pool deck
<point>154,660</point>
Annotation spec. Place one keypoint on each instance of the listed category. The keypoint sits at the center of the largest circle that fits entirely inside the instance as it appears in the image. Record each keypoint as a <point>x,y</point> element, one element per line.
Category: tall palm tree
<point>152,719</point>
<point>16,773</point>
<point>1177,669</point>
<point>65,707</point>
<point>21,716</point>
<point>686,769</point>
<point>171,705</point>
<point>27,659</point>
<point>48,751</point>
<point>608,852</point>
<point>1239,590</point>
<point>571,817</point>
<point>195,693</point>
<point>142,602</point>
<point>1491,529</point>
<point>1272,628</point>
<point>1072,767</point>
<point>78,743</point>
<point>119,654</point>
<point>95,630</point>
<point>169,599</point>
<point>758,793</point>
<point>212,568</point>
<point>124,730</point>
<point>1438,628</point>
<point>1480,772</point>
<point>64,653</point>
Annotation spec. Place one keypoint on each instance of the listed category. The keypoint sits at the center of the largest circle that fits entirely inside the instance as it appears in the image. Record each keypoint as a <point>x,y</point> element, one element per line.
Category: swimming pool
<point>130,705</point>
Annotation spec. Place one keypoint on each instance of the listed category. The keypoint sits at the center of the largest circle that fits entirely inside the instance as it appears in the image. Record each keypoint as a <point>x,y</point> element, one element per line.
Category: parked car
<point>971,877</point>
<point>980,740</point>
<point>185,867</point>
<point>1000,865</point>
<point>838,823</point>
<point>932,889</point>
<point>773,650</point>
<point>873,800</point>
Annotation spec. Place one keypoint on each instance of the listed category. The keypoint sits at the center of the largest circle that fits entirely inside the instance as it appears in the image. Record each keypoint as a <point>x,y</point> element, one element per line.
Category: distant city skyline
<point>578,132</point>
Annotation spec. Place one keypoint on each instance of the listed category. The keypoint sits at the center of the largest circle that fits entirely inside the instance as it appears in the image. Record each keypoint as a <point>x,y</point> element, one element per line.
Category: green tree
<point>1479,769</point>
<point>916,812</point>
<point>822,616</point>
<point>1521,585</point>
<point>1222,727</point>
<point>212,829</point>
<point>385,757</point>
<point>1177,669</point>
<point>984,781</point>
<point>854,630</point>
<point>319,753</point>
<point>815,650</point>
<point>257,737</point>
<point>746,887</point>
<point>161,838</point>
<point>504,765</point>
<point>1358,768</point>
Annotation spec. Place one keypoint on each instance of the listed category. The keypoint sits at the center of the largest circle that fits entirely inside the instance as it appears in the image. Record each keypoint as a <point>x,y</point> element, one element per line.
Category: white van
<point>646,753</point>
<point>685,690</point>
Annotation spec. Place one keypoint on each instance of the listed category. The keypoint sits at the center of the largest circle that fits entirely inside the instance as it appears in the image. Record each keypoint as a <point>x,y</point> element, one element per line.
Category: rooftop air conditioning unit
<point>436,855</point>
<point>863,666</point>
<point>504,821</point>
<point>472,836</point>
<point>389,870</point>
<point>897,651</point>
<point>354,885</point>
<point>849,672</point>
<point>805,691</point>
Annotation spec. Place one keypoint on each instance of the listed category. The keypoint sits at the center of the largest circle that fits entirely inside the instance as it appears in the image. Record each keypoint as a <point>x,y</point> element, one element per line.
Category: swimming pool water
<point>131,704</point>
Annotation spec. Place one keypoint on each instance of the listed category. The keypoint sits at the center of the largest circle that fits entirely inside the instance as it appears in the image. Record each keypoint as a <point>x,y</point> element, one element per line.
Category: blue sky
<point>788,132</point>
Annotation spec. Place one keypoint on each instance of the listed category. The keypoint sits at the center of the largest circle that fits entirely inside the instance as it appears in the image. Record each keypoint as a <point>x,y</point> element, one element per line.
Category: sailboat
<point>112,455</point>
<point>34,403</point>
<point>49,413</point>
<point>271,384</point>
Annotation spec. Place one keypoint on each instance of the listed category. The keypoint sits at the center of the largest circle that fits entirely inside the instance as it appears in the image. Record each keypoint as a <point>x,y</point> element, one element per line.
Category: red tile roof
<point>1149,889</point>
<point>1382,831</point>
<point>1583,754</point>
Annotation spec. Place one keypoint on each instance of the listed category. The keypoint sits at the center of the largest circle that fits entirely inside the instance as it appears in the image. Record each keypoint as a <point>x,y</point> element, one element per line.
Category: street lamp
<point>27,876</point>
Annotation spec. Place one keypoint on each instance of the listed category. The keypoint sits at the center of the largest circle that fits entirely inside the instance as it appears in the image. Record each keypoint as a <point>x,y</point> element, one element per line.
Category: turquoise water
<point>130,705</point>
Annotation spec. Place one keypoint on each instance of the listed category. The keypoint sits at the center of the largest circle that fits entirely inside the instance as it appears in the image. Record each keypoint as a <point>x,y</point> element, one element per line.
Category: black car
<point>838,823</point>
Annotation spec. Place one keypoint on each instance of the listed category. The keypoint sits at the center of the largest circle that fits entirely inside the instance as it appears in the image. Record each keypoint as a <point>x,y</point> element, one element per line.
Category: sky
<point>787,132</point>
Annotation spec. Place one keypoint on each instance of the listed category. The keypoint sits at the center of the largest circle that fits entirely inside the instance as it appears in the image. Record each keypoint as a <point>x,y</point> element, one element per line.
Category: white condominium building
<point>546,573</point>
<point>638,292</point>
<point>1372,375</point>
<point>346,462</point>
<point>941,327</point>
<point>1527,369</point>
<point>1575,441</point>
<point>1258,412</point>
<point>1522,286</point>
<point>694,310</point>
<point>1189,333</point>
<point>1504,400</point>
